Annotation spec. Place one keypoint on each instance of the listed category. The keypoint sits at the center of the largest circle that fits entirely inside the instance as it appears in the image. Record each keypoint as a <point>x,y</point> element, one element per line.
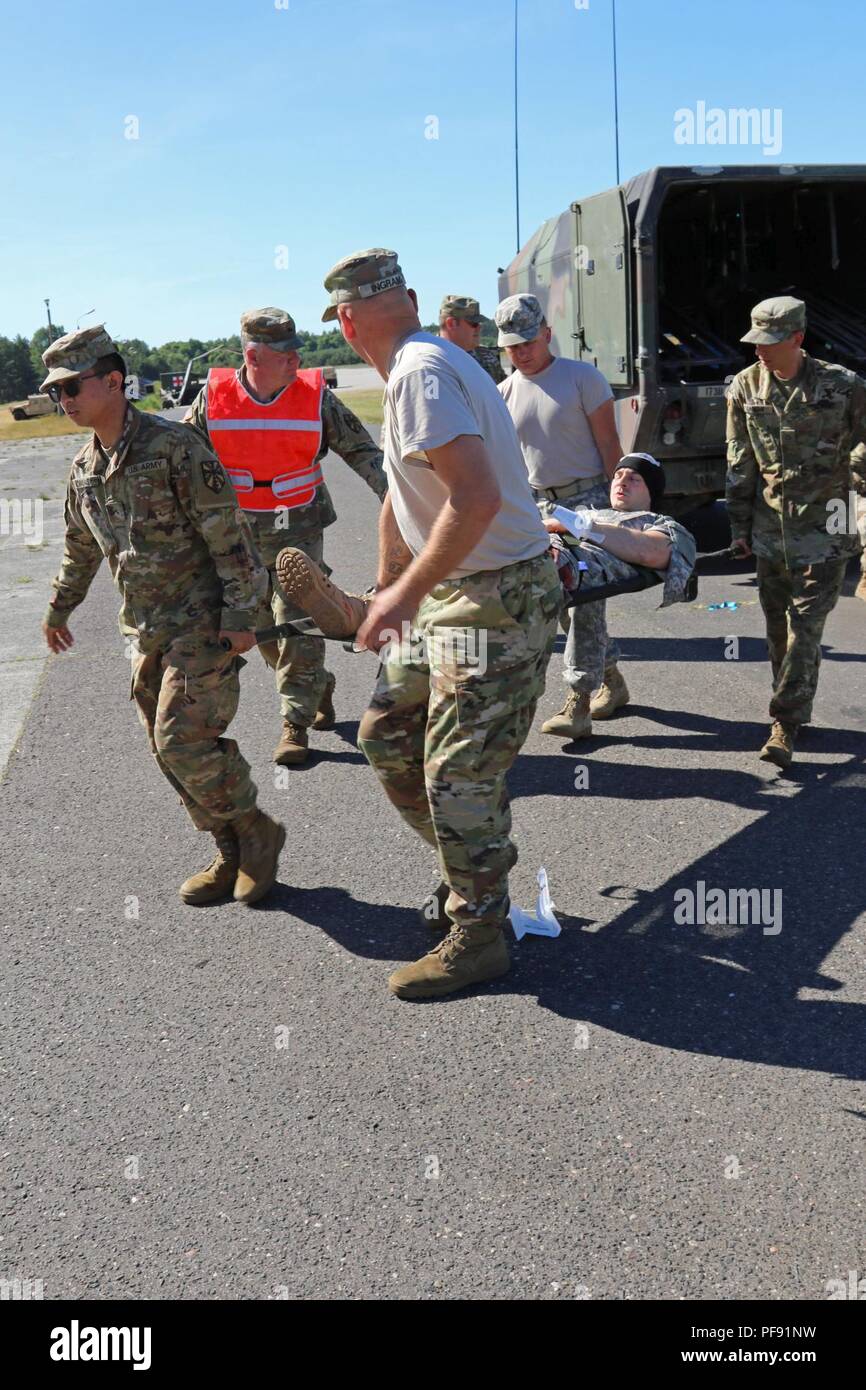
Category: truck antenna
<point>615,90</point>
<point>516,160</point>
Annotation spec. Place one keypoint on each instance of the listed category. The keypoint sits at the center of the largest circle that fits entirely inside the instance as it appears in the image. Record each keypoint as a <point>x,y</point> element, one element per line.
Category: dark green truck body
<point>653,281</point>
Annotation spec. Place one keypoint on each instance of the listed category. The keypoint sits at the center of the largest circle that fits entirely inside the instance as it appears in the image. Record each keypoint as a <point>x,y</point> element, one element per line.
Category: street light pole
<point>615,91</point>
<point>516,162</point>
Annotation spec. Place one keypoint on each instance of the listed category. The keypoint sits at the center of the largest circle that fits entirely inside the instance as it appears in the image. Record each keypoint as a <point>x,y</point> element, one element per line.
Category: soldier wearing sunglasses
<point>460,323</point>
<point>148,496</point>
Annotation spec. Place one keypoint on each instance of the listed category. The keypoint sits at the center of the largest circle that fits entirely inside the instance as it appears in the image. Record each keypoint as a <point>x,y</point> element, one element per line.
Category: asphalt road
<point>227,1102</point>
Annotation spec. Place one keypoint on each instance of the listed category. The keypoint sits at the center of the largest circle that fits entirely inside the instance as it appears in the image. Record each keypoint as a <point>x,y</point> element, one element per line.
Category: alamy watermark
<point>22,518</point>
<point>729,907</point>
<point>739,125</point>
<point>443,649</point>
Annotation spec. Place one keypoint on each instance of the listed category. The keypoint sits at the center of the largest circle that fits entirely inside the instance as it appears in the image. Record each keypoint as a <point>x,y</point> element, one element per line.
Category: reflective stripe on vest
<point>267,448</point>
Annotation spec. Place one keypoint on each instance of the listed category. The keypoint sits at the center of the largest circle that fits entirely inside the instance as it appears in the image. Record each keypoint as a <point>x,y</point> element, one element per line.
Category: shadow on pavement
<point>720,990</point>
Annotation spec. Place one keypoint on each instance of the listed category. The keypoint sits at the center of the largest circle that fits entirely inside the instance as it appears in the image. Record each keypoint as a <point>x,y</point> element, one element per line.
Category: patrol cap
<point>75,353</point>
<point>519,319</point>
<point>459,306</point>
<point>361,276</point>
<point>774,320</point>
<point>273,327</point>
<point>650,470</point>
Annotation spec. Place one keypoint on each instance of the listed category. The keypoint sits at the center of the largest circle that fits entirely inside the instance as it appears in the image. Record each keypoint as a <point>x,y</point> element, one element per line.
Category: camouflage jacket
<point>343,432</point>
<point>793,460</point>
<point>163,512</point>
<point>489,359</point>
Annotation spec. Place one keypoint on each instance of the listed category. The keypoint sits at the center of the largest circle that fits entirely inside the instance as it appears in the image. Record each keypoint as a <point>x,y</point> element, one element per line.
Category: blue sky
<point>304,127</point>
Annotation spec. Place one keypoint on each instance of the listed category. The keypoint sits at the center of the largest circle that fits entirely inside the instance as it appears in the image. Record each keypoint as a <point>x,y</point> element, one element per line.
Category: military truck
<point>653,280</point>
<point>37,404</point>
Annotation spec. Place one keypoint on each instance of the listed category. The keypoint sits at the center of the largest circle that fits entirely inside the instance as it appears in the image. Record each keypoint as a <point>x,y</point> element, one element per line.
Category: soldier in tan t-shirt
<point>465,578</point>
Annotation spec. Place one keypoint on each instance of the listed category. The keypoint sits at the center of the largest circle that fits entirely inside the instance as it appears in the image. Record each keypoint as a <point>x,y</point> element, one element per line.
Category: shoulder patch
<point>213,475</point>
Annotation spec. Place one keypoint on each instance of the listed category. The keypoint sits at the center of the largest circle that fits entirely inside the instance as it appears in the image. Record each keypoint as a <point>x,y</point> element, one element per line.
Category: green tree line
<point>21,368</point>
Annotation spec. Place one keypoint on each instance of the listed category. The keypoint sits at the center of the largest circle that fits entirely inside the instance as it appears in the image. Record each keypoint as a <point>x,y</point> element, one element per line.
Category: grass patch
<point>43,427</point>
<point>367,405</point>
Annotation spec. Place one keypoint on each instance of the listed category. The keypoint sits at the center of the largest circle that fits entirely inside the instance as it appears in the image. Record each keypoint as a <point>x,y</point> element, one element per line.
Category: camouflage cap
<point>360,276</point>
<point>273,327</point>
<point>75,353</point>
<point>774,320</point>
<point>519,319</point>
<point>459,306</point>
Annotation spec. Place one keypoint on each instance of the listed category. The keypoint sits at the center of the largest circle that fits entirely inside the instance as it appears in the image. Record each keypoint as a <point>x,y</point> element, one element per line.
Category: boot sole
<point>258,893</point>
<point>608,713</point>
<point>572,734</point>
<point>433,991</point>
<point>775,756</point>
<point>224,897</point>
<point>291,759</point>
<point>336,613</point>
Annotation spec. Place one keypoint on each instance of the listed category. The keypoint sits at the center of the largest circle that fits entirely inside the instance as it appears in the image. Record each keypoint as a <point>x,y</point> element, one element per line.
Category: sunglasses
<point>474,323</point>
<point>70,388</point>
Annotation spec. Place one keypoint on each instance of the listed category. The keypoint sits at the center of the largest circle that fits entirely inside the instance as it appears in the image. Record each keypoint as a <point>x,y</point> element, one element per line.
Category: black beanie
<point>652,473</point>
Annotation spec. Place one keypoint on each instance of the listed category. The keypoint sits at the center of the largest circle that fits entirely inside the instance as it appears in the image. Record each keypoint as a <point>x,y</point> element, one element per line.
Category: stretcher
<point>643,579</point>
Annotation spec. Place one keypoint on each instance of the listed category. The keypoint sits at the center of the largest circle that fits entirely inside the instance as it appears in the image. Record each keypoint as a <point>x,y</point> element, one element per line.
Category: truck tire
<point>19,414</point>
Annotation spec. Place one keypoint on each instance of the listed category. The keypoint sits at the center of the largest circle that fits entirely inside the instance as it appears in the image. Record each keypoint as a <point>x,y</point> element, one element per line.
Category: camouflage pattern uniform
<point>602,567</point>
<point>299,662</point>
<point>792,449</point>
<point>162,511</point>
<point>489,359</point>
<point>519,318</point>
<point>462,306</point>
<point>445,724</point>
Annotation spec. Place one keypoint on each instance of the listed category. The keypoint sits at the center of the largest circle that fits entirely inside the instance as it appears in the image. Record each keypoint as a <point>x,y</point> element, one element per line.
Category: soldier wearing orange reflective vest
<point>271,422</point>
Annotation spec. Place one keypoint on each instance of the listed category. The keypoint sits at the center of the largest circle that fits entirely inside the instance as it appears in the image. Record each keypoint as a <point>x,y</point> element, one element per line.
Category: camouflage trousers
<point>187,694</point>
<point>861,530</point>
<point>589,648</point>
<point>297,662</point>
<point>796,605</point>
<point>588,633</point>
<point>446,723</point>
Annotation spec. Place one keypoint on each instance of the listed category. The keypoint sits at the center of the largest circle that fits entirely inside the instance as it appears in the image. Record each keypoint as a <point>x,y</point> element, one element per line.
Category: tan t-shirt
<point>551,415</point>
<point>436,392</point>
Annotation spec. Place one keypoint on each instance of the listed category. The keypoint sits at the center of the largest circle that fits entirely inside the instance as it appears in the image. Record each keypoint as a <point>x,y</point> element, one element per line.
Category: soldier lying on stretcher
<point>607,543</point>
<point>596,548</point>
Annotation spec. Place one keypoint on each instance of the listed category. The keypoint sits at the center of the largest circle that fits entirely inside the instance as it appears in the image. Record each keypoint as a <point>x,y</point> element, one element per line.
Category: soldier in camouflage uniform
<point>860,591</point>
<point>147,496</point>
<point>563,412</point>
<point>796,447</point>
<point>271,363</point>
<point>460,323</point>
<point>467,589</point>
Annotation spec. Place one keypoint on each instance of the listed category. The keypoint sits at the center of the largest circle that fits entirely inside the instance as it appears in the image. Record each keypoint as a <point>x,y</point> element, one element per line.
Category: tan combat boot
<point>294,744</point>
<point>432,911</point>
<point>860,591</point>
<point>779,748</point>
<point>326,716</point>
<point>260,840</point>
<point>573,720</point>
<point>218,879</point>
<point>467,956</point>
<point>611,695</point>
<point>337,614</point>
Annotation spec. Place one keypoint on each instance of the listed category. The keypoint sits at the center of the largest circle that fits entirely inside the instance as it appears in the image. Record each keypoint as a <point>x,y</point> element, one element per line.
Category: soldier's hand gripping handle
<point>237,642</point>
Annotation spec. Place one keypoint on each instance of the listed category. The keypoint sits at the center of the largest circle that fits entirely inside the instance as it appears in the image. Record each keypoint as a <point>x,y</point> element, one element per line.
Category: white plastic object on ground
<point>543,923</point>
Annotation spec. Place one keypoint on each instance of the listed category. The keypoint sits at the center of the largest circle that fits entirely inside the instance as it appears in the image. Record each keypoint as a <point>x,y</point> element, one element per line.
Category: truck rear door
<point>603,261</point>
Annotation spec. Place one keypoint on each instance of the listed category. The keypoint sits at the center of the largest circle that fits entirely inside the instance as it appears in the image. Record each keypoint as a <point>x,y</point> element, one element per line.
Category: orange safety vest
<point>268,448</point>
